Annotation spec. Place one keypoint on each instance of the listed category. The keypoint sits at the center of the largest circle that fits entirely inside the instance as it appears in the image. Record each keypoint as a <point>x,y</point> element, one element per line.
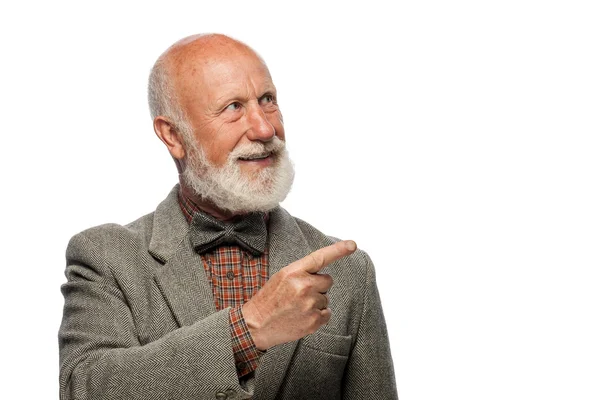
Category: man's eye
<point>267,98</point>
<point>233,107</point>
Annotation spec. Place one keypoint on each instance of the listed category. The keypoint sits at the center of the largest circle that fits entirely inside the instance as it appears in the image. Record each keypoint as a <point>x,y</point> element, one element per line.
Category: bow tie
<point>248,231</point>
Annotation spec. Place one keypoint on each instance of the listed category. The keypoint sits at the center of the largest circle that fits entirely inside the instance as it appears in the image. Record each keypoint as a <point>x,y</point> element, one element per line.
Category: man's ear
<point>168,134</point>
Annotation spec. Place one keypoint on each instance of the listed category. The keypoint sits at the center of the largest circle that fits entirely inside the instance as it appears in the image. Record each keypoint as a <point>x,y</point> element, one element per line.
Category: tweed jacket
<point>140,322</point>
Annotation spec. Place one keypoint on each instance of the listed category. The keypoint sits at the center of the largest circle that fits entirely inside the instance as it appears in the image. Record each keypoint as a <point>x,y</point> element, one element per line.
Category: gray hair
<point>163,101</point>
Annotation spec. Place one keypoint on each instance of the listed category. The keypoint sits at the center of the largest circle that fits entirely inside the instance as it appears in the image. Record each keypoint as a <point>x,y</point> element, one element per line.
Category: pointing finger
<point>317,260</point>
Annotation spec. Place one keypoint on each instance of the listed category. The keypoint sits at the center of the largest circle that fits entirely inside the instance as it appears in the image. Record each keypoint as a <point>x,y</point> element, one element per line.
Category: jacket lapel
<point>181,280</point>
<point>286,245</point>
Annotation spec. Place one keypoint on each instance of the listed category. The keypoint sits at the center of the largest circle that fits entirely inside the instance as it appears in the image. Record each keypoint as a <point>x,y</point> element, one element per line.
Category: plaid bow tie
<point>248,231</point>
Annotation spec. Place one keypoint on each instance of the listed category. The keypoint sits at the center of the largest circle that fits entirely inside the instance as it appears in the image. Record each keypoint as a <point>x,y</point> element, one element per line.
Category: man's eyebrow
<point>226,98</point>
<point>269,90</point>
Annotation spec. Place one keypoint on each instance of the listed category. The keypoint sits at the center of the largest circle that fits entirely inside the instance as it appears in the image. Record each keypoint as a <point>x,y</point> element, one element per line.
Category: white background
<point>456,141</point>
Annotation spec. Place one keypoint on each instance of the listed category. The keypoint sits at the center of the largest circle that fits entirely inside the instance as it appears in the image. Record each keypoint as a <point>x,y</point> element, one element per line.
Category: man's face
<point>230,101</point>
<point>235,155</point>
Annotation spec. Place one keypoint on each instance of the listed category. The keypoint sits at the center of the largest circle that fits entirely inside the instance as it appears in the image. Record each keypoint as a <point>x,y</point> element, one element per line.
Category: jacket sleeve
<point>370,371</point>
<point>101,356</point>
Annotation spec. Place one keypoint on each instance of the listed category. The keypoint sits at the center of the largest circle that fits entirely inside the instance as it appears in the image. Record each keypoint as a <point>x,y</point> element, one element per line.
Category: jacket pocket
<point>328,343</point>
<point>317,368</point>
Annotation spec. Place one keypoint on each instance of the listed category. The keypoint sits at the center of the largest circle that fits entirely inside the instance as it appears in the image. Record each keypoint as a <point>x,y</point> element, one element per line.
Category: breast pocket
<point>328,343</point>
<point>318,366</point>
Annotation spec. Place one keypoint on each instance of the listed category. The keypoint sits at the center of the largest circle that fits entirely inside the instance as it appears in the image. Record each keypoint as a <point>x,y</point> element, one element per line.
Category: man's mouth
<point>256,157</point>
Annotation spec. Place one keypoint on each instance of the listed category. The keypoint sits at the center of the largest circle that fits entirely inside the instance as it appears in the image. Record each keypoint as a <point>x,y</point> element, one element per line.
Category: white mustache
<point>258,149</point>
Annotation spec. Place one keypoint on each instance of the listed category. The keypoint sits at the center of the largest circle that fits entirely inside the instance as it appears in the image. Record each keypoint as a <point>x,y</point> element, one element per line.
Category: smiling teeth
<point>258,157</point>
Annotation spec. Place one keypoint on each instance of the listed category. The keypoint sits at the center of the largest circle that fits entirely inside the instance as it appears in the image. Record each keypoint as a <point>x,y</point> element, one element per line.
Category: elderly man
<point>220,293</point>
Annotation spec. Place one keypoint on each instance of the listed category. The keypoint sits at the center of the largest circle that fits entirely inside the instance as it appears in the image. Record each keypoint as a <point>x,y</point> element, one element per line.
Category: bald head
<point>203,48</point>
<point>184,59</point>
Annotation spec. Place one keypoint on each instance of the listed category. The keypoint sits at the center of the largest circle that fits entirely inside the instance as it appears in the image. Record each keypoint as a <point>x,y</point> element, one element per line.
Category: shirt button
<point>230,275</point>
<point>220,396</point>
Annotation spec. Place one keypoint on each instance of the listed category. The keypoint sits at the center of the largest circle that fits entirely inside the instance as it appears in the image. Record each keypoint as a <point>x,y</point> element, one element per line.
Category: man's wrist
<point>245,351</point>
<point>251,320</point>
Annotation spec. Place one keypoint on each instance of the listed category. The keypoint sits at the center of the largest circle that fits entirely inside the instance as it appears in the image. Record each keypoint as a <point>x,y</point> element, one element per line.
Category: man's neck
<point>206,206</point>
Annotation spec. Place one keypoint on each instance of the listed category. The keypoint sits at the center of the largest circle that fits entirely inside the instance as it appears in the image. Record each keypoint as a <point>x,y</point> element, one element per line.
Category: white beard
<point>229,189</point>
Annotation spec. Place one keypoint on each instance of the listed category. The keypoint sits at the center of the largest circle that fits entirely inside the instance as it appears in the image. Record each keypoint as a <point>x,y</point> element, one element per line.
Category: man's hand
<point>294,302</point>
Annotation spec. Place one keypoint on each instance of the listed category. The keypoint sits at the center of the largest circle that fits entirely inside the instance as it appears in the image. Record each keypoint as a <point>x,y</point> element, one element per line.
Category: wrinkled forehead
<point>214,64</point>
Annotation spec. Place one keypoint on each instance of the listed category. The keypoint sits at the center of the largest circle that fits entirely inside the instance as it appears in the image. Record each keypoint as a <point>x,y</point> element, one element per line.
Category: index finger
<point>316,261</point>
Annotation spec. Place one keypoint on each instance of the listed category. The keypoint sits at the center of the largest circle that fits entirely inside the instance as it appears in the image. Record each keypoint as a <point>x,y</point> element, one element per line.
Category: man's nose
<point>260,127</point>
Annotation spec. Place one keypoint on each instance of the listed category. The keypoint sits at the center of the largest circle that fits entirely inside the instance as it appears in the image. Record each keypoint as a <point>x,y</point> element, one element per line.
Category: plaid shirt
<point>235,276</point>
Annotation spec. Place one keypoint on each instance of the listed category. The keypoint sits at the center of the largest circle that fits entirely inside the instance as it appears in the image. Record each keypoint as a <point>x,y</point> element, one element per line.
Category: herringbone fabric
<point>140,322</point>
